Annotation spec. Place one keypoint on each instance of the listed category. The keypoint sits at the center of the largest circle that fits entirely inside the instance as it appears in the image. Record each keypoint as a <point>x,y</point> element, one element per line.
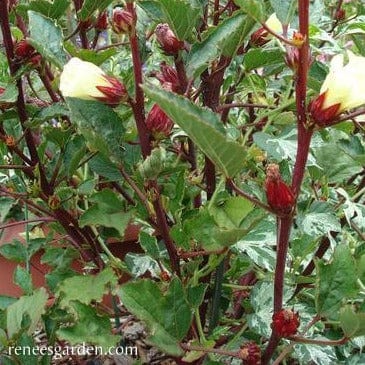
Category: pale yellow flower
<point>274,24</point>
<point>345,84</point>
<point>342,90</point>
<point>84,80</point>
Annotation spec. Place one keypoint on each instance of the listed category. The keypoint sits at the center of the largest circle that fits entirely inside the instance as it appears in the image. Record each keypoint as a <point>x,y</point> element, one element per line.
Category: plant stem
<point>138,102</point>
<point>303,143</point>
<point>144,136</point>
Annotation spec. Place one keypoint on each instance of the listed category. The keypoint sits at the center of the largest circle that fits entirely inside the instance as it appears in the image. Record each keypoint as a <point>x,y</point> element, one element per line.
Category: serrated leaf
<point>100,125</point>
<point>102,166</point>
<point>317,224</point>
<point>93,288</point>
<point>231,212</point>
<point>95,57</point>
<point>259,57</point>
<point>149,244</point>
<point>107,211</point>
<point>168,316</point>
<point>352,323</point>
<point>53,10</point>
<point>201,125</point>
<point>335,281</point>
<point>90,6</point>
<point>10,94</point>
<point>284,9</point>
<point>89,327</point>
<point>225,39</point>
<point>23,279</point>
<point>138,265</point>
<point>181,15</point>
<point>55,110</point>
<point>254,8</point>
<point>14,251</point>
<point>32,306</point>
<point>46,37</point>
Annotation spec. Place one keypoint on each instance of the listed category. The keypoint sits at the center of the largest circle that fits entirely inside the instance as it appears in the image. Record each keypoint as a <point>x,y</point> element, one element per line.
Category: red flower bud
<point>168,75</point>
<point>279,195</point>
<point>260,37</point>
<point>158,123</point>
<point>167,40</point>
<point>285,323</point>
<point>340,14</point>
<point>123,21</point>
<point>250,354</point>
<point>85,24</point>
<point>23,50</point>
<point>102,21</point>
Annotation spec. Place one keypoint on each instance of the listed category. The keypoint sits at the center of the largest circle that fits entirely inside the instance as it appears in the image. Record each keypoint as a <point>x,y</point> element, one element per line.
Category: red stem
<point>303,143</point>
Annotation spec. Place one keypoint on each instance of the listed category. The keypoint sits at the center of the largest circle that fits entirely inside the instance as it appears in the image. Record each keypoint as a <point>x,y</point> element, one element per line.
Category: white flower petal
<point>345,84</point>
<point>274,24</point>
<point>80,78</point>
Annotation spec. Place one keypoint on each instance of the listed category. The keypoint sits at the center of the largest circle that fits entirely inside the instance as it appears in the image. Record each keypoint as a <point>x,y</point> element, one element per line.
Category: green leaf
<point>352,323</point>
<point>201,125</point>
<point>138,265</point>
<point>102,166</point>
<point>10,94</point>
<point>100,125</point>
<point>53,111</point>
<point>33,306</point>
<point>231,212</point>
<point>254,8</point>
<point>46,37</point>
<point>196,294</point>
<point>153,8</point>
<point>318,224</point>
<point>284,9</point>
<point>5,207</point>
<point>5,301</point>
<point>167,316</point>
<point>53,10</point>
<point>225,39</point>
<point>335,282</point>
<point>259,57</point>
<point>86,289</point>
<point>96,57</point>
<point>14,251</point>
<point>90,6</point>
<point>149,244</point>
<point>181,15</point>
<point>23,279</point>
<point>90,327</point>
<point>108,211</point>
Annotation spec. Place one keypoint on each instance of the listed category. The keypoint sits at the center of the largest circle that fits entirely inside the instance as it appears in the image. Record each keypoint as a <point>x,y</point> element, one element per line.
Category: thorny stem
<point>303,144</point>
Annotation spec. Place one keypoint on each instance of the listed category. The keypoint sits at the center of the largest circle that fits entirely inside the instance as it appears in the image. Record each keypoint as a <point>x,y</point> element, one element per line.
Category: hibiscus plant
<point>197,165</point>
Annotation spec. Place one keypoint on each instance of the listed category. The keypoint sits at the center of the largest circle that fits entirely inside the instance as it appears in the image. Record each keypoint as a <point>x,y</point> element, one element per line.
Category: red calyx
<point>158,123</point>
<point>285,323</point>
<point>260,37</point>
<point>168,75</point>
<point>323,117</point>
<point>114,94</point>
<point>279,195</point>
<point>23,50</point>
<point>250,354</point>
<point>167,40</point>
<point>102,21</point>
<point>123,21</point>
